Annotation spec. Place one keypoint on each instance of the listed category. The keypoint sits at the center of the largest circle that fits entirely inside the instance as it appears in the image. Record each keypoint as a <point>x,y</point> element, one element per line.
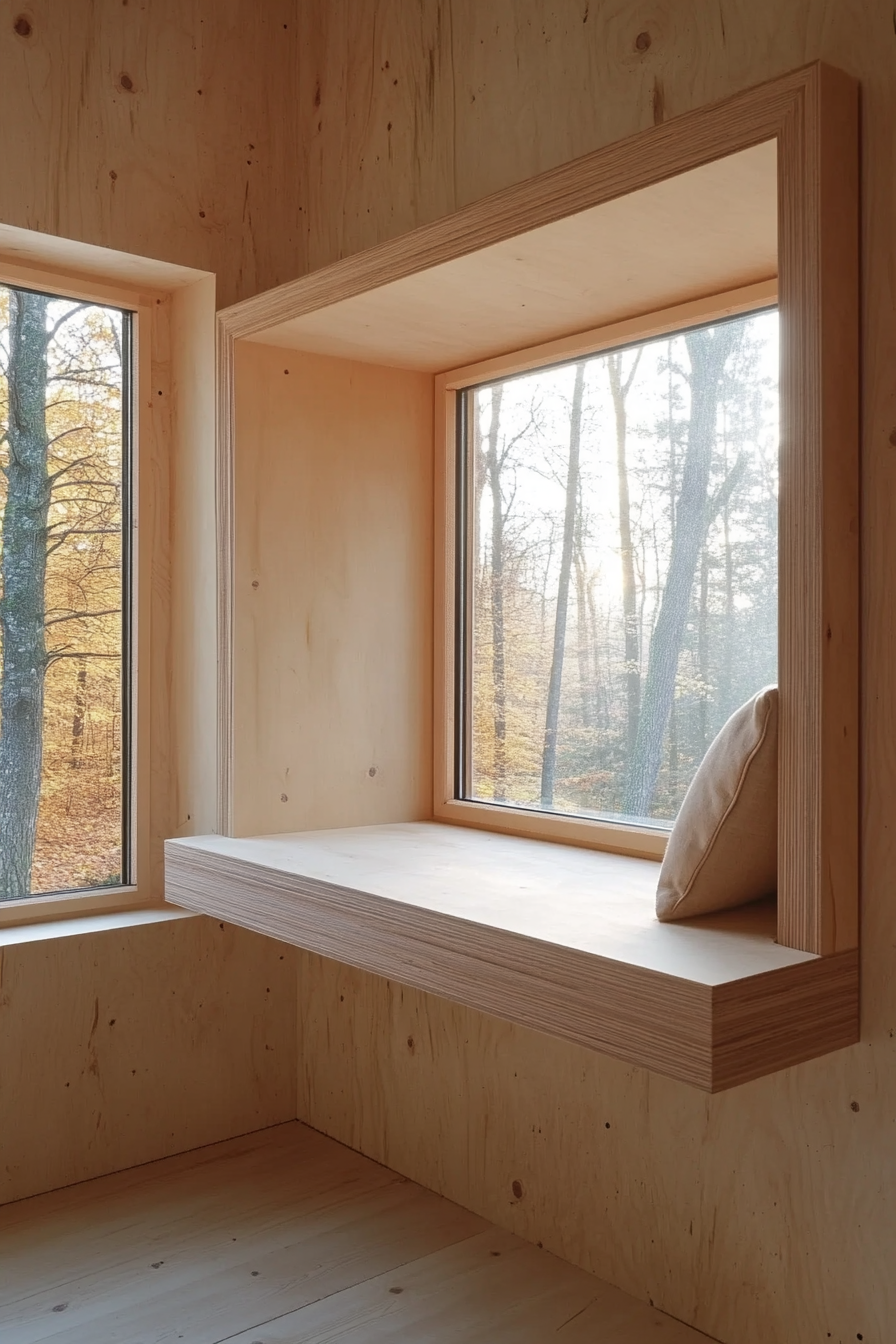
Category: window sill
<point>98,922</point>
<point>555,938</point>
<point>585,832</point>
<point>65,905</point>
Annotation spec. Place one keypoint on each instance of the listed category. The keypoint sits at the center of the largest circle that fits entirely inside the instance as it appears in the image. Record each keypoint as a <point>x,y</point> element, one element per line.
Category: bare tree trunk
<point>480,477</point>
<point>703,650</point>
<point>499,672</point>
<point>598,678</point>
<point>708,351</point>
<point>673,749</point>
<point>543,591</point>
<point>552,713</point>
<point>586,690</point>
<point>619,389</point>
<point>728,662</point>
<point>23,569</point>
<point>78,715</point>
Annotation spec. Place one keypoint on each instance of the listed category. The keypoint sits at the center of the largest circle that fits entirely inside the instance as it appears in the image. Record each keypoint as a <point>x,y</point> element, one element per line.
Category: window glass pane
<point>64,414</point>
<point>621,569</point>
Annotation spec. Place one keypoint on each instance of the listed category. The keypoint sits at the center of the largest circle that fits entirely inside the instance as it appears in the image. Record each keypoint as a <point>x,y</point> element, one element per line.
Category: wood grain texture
<point>286,1236</point>
<point>819,519</point>
<point>639,1177</point>
<point>710,307</point>
<point>764,1212</point>
<point>151,1038</point>
<point>811,115</point>
<point>157,170</point>
<point>493,1286</point>
<point>332,621</point>
<point>561,940</point>
<point>408,117</point>
<point>192,722</point>
<point>592,268</point>
<point>156,129</point>
<point>602,177</point>
<point>763,1023</point>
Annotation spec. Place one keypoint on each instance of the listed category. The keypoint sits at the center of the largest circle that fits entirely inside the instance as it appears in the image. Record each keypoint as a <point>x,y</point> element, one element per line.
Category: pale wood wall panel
<point>762,1213</point>
<point>156,127</point>
<point>332,600</point>
<point>375,105</point>
<point>205,179</point>
<point>478,96</point>
<point>132,1044</point>
<point>766,1213</point>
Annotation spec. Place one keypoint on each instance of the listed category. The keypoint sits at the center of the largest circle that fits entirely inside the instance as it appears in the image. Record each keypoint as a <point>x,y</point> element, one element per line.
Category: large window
<point>65,467</point>
<point>618,569</point>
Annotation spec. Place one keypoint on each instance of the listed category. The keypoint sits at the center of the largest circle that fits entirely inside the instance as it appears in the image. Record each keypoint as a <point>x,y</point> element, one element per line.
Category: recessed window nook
<point>340,826</point>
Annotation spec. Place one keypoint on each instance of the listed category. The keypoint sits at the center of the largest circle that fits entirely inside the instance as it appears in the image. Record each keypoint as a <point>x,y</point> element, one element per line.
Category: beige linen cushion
<point>723,848</point>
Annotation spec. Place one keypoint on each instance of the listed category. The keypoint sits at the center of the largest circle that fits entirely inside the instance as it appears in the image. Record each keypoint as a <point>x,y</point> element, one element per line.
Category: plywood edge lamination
<point>818,209</point>
<point>710,1021</point>
<point>633,164</point>
<point>767,1022</point>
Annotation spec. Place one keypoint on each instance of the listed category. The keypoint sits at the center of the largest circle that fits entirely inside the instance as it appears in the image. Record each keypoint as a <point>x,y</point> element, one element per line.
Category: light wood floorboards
<point>285,1236</point>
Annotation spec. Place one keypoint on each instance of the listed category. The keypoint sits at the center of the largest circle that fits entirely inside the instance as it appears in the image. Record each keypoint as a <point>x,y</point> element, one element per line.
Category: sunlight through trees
<point>624,575</point>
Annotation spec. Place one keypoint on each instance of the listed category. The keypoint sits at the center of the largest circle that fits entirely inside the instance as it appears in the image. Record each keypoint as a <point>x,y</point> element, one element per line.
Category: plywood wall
<point>136,1042</point>
<point>332,593</point>
<point>767,1213</point>
<point>156,128</point>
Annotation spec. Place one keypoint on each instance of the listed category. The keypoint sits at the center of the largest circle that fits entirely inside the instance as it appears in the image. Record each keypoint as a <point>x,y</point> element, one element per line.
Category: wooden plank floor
<point>286,1236</point>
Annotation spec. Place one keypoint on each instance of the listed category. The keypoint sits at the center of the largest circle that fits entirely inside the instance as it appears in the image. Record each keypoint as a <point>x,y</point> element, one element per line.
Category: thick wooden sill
<point>87,925</point>
<point>556,938</point>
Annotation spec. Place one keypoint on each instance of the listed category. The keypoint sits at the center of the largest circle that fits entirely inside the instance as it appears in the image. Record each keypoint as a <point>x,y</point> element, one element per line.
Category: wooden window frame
<point>135,783</point>
<point>150,291</point>
<point>532,822</point>
<point>813,116</point>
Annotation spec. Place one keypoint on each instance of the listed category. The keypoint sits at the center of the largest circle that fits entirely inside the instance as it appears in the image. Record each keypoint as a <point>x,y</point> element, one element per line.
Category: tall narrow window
<point>65,485</point>
<point>618,570</point>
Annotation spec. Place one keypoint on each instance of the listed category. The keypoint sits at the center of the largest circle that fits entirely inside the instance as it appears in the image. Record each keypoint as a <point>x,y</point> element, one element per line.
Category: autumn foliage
<point>79,841</point>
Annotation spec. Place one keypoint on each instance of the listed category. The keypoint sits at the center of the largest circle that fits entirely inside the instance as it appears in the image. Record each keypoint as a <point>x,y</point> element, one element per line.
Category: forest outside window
<point>65,567</point>
<point>617,590</point>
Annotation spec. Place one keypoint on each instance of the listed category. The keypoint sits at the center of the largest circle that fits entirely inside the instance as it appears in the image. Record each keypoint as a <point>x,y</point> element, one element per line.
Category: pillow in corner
<point>723,847</point>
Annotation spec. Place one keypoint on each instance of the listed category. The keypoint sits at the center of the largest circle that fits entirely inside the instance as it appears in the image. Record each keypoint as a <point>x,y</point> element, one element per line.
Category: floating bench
<point>560,939</point>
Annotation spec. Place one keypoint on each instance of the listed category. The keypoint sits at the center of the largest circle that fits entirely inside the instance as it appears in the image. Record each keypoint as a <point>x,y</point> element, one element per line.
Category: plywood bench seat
<point>560,939</point>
